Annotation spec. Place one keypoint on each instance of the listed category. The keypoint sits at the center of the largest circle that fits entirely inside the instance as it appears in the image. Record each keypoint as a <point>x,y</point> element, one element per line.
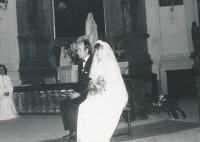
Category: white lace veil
<point>108,68</point>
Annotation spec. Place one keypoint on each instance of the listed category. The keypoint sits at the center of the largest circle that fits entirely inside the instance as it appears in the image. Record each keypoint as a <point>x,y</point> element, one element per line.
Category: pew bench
<point>128,131</point>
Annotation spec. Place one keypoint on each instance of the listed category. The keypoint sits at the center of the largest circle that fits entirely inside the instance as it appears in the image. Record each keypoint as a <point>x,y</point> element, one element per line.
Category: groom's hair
<point>88,46</point>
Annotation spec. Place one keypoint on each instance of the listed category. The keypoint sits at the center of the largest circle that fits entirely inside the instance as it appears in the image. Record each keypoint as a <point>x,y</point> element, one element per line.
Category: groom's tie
<point>83,63</point>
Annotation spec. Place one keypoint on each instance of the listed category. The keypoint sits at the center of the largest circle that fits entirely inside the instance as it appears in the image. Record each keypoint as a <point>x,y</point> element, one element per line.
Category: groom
<point>69,107</point>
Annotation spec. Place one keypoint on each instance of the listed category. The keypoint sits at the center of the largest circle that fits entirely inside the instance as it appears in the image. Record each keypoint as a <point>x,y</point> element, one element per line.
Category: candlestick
<point>172,2</point>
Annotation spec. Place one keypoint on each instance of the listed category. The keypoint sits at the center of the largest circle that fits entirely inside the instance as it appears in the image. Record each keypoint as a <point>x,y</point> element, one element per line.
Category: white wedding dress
<point>7,107</point>
<point>99,114</point>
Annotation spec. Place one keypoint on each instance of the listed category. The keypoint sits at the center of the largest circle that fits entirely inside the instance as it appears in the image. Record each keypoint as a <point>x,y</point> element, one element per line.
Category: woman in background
<point>99,114</point>
<point>7,108</point>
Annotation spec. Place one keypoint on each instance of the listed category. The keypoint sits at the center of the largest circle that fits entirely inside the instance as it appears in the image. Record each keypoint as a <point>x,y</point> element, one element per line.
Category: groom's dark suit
<point>68,107</point>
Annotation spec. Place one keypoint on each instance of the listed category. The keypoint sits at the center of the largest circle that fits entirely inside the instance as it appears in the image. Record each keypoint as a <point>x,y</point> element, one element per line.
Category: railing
<point>41,100</point>
<point>45,99</point>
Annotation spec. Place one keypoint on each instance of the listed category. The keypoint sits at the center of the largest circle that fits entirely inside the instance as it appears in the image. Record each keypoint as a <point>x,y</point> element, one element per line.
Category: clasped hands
<point>74,95</point>
<point>6,93</point>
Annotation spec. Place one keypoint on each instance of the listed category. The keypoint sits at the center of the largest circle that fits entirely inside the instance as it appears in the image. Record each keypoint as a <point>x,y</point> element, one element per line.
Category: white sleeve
<point>8,85</point>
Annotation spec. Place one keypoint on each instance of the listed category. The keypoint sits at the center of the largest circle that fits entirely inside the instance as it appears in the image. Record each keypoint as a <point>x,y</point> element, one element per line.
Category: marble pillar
<point>132,37</point>
<point>34,64</point>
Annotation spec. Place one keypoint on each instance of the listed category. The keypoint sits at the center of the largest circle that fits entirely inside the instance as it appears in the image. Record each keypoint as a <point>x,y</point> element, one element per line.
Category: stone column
<point>32,42</point>
<point>198,92</point>
<point>132,37</point>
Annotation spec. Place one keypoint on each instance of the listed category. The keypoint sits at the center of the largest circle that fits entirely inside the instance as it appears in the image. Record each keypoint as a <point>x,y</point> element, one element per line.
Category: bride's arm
<point>8,85</point>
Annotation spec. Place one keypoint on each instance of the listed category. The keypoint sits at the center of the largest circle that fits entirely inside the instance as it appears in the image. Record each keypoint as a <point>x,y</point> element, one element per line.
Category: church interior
<point>155,42</point>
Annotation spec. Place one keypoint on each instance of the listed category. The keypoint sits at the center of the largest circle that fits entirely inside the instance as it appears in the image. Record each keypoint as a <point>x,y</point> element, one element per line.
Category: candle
<point>113,48</point>
<point>5,1</point>
<point>172,3</point>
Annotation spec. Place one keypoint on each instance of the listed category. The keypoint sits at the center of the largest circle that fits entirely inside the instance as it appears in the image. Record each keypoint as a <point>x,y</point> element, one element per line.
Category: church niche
<point>70,15</point>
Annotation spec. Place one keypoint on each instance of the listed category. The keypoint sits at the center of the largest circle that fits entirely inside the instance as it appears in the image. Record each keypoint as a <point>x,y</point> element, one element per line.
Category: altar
<point>69,74</point>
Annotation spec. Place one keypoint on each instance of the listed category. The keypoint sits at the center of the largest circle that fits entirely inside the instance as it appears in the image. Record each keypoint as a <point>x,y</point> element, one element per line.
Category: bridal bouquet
<point>97,86</point>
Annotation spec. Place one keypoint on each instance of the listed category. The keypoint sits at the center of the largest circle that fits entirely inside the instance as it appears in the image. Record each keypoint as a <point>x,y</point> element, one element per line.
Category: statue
<point>126,14</point>
<point>30,17</point>
<point>91,30</point>
<point>194,32</point>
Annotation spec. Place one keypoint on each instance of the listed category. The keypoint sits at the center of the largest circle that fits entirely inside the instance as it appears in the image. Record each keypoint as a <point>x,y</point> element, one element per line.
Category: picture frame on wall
<point>69,17</point>
<point>170,2</point>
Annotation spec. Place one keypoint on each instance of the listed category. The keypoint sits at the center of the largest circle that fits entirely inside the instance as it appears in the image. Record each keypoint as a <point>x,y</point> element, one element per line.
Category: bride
<point>7,108</point>
<point>99,114</point>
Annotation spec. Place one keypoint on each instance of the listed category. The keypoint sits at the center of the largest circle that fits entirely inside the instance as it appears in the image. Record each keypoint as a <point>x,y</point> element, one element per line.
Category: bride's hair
<point>5,69</point>
<point>97,45</point>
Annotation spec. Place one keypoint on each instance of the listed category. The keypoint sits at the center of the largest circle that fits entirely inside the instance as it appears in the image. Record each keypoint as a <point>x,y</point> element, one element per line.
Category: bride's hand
<point>91,94</point>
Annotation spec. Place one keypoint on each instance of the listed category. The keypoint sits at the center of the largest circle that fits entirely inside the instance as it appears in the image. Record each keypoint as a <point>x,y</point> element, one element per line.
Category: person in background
<point>196,64</point>
<point>7,107</point>
<point>69,107</point>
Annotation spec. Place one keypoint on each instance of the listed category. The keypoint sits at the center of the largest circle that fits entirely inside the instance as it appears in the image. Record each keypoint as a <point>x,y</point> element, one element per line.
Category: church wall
<point>170,42</point>
<point>173,36</point>
<point>9,50</point>
<point>4,36</point>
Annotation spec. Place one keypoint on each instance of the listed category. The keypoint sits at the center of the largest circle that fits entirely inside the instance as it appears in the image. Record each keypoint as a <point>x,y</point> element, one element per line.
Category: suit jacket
<point>83,79</point>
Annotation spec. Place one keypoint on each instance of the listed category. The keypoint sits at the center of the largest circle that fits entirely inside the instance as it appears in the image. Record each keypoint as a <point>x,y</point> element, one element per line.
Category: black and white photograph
<point>100,71</point>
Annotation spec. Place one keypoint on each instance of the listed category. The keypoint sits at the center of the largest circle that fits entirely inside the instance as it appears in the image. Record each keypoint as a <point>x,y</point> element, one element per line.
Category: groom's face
<point>82,52</point>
